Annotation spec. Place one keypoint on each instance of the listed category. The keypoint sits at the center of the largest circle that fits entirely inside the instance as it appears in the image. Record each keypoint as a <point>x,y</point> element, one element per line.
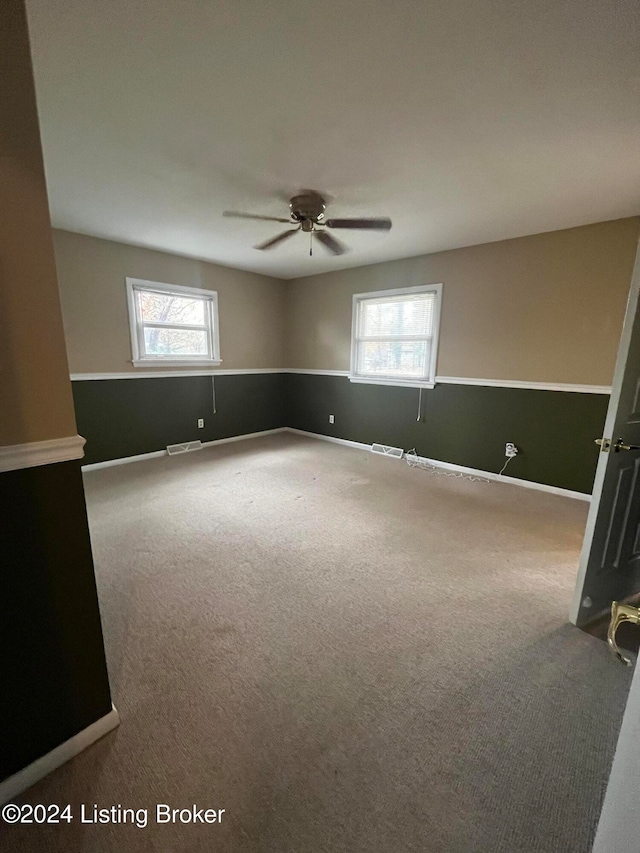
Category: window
<point>171,324</point>
<point>394,336</point>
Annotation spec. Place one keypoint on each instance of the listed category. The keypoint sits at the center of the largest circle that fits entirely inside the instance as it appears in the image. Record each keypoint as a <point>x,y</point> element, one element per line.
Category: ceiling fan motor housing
<point>307,207</point>
<point>307,210</point>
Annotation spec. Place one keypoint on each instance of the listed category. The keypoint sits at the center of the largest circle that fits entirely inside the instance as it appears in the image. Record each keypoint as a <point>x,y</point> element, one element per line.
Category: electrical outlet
<point>332,419</point>
<point>510,449</point>
<point>200,423</point>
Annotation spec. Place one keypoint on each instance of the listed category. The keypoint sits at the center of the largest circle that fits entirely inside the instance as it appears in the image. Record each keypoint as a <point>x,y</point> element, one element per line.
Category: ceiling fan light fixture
<point>308,209</point>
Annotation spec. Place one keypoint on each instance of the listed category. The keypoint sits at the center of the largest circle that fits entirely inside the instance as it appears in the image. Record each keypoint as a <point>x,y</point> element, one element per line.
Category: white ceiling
<point>465,121</point>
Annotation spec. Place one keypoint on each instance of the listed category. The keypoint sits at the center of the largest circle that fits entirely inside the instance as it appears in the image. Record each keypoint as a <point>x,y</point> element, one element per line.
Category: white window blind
<point>172,324</point>
<point>394,335</point>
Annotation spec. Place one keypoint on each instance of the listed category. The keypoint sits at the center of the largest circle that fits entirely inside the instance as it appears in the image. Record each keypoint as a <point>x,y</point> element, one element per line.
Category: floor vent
<point>172,449</point>
<point>385,450</point>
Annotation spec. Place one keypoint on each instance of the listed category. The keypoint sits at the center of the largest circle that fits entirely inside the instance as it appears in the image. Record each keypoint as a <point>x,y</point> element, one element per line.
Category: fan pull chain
<point>310,244</point>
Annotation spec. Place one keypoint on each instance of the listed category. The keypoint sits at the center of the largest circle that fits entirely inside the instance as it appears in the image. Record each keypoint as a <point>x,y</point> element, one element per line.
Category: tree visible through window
<point>170,323</point>
<point>394,334</point>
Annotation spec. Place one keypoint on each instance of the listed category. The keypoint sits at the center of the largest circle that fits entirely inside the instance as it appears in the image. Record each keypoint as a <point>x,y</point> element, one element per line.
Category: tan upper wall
<point>35,393</point>
<point>92,275</point>
<point>545,308</point>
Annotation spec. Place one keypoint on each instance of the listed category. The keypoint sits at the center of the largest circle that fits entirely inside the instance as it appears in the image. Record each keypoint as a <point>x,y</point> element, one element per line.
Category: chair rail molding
<point>440,380</point>
<point>13,457</point>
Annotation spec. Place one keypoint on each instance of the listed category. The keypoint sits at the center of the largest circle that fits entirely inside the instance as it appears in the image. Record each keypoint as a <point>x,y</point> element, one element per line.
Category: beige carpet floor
<point>348,655</point>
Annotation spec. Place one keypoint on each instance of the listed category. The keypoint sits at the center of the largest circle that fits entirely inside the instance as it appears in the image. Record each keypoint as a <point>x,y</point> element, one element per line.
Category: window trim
<point>136,326</point>
<point>428,381</point>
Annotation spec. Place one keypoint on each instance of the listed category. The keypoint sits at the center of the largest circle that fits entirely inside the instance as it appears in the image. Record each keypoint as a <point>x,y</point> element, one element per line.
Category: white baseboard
<point>156,453</point>
<point>123,460</point>
<point>505,478</point>
<point>41,767</point>
<point>243,437</point>
<point>489,475</point>
<point>450,466</point>
<point>356,444</point>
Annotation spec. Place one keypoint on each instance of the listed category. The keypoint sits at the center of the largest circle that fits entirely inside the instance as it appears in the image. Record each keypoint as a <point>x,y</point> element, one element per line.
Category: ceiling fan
<point>307,210</point>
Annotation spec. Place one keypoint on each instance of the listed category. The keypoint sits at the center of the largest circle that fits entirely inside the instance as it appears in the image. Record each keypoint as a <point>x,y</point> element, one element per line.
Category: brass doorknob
<point>621,613</point>
<point>620,445</point>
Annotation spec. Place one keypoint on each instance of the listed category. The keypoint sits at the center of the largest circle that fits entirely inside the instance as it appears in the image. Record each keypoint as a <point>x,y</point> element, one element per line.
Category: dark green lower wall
<point>53,674</point>
<point>464,424</point>
<point>53,677</point>
<point>126,417</point>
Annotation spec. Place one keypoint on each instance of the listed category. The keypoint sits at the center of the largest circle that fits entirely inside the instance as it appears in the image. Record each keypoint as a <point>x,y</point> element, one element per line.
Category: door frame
<point>603,457</point>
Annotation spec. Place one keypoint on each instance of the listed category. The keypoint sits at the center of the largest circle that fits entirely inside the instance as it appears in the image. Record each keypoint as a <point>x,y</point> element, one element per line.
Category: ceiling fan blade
<point>238,215</point>
<point>330,242</point>
<point>381,224</point>
<point>284,235</point>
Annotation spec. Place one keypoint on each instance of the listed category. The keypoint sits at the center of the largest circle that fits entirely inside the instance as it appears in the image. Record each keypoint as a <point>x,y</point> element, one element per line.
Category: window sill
<point>401,383</point>
<point>157,362</point>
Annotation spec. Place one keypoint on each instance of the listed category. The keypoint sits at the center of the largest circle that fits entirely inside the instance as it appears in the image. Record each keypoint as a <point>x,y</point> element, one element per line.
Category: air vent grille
<point>172,449</point>
<point>386,450</point>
